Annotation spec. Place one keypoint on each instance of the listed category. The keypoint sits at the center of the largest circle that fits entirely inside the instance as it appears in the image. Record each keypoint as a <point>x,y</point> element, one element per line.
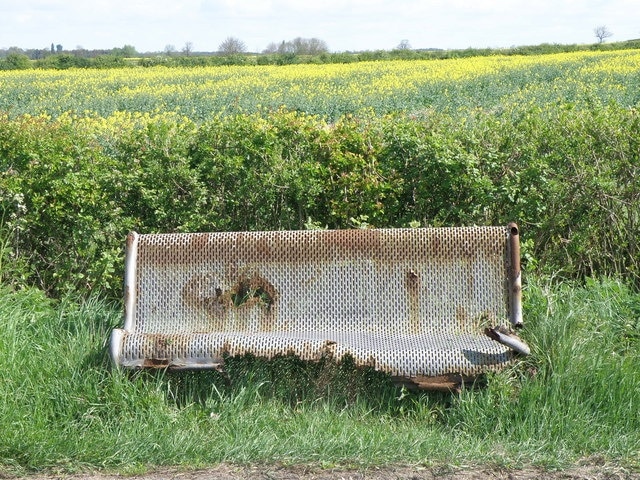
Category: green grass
<point>62,408</point>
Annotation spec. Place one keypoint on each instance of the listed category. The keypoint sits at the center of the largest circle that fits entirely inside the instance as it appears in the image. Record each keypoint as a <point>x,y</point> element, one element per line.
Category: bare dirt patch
<point>270,472</point>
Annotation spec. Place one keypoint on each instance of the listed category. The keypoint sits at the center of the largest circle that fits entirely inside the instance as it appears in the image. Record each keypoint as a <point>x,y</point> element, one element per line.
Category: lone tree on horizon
<point>602,33</point>
<point>298,46</point>
<point>232,46</point>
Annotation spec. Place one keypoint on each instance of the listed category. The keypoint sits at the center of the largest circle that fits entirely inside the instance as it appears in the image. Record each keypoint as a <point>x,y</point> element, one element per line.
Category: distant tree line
<point>233,51</point>
<point>56,57</point>
<point>41,53</point>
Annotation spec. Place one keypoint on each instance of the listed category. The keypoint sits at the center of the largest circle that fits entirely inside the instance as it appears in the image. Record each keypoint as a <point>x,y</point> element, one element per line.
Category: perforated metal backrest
<point>382,286</point>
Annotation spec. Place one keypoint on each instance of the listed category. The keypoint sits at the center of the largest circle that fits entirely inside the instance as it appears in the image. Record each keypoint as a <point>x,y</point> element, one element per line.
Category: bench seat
<point>414,303</point>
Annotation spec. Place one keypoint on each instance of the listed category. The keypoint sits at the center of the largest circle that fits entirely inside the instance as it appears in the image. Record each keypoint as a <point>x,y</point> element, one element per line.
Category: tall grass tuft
<point>579,392</point>
<point>64,409</point>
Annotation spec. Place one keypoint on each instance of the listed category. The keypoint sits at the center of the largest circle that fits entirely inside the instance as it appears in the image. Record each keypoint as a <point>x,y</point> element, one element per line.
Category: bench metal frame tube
<point>130,290</point>
<point>515,276</point>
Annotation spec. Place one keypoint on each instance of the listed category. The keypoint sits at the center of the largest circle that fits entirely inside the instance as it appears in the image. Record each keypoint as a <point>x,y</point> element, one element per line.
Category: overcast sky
<point>345,25</point>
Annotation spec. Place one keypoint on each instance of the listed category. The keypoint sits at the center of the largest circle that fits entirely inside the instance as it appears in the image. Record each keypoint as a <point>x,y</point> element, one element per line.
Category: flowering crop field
<point>497,83</point>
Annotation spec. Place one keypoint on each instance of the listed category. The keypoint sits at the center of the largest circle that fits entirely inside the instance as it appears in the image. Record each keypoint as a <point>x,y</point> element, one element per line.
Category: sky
<point>345,25</point>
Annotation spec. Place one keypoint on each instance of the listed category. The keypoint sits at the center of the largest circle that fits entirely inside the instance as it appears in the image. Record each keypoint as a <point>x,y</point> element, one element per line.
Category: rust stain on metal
<point>157,346</point>
<point>370,362</point>
<point>263,248</point>
<point>412,284</point>
<point>295,247</point>
<point>442,383</point>
<point>160,345</point>
<point>327,351</point>
<point>204,293</point>
<point>127,295</point>
<point>515,275</point>
<point>436,246</point>
<point>198,241</point>
<point>255,293</point>
<point>130,239</point>
<point>462,319</point>
<point>155,363</point>
<point>232,309</point>
<point>502,335</point>
<point>514,260</point>
<point>353,241</point>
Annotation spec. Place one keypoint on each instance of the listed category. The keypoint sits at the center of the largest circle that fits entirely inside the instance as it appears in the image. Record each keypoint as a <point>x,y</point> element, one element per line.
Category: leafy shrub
<point>57,204</point>
<point>15,61</point>
<point>71,188</point>
<point>63,61</point>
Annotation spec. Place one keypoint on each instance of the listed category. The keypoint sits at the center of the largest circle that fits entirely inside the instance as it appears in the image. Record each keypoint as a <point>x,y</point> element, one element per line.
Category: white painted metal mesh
<point>406,301</point>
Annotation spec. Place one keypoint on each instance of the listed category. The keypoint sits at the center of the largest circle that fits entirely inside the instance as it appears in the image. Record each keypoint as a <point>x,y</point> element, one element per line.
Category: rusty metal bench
<point>430,306</point>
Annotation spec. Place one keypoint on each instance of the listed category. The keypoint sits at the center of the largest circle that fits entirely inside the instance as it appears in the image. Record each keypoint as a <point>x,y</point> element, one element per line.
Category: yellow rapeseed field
<point>329,90</point>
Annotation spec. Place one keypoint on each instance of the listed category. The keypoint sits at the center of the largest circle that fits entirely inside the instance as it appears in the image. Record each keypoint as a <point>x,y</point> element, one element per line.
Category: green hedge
<point>71,188</point>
